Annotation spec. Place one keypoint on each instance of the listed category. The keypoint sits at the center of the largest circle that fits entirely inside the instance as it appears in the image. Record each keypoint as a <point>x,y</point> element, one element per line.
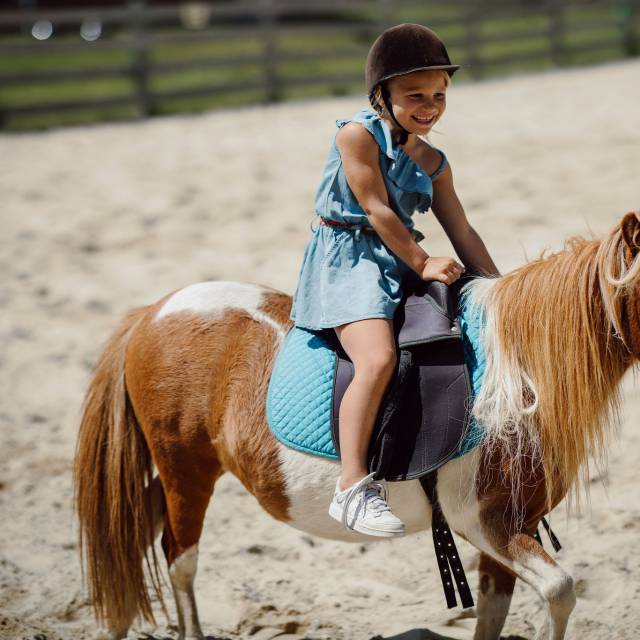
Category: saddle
<point>424,414</point>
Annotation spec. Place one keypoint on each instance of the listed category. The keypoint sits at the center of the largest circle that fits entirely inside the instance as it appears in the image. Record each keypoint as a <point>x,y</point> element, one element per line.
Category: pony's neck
<point>554,363</point>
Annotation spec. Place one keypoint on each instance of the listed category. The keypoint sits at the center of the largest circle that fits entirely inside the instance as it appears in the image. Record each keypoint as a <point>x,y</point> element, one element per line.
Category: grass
<point>51,61</point>
<point>174,81</point>
<point>14,96</point>
<point>597,23</point>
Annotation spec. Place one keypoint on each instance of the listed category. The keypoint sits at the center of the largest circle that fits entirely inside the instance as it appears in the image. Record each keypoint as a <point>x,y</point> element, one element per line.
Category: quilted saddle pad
<point>300,390</point>
<point>299,398</point>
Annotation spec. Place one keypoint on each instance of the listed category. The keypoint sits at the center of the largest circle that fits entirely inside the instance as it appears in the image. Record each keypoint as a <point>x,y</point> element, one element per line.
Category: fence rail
<point>142,57</point>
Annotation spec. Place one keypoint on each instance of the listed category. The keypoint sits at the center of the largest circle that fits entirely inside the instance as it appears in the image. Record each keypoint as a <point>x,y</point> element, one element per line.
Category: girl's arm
<point>360,160</point>
<point>464,238</point>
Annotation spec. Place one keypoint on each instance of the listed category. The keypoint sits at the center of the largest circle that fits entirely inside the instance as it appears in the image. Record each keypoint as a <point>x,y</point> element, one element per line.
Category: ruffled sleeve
<point>441,167</point>
<point>377,128</point>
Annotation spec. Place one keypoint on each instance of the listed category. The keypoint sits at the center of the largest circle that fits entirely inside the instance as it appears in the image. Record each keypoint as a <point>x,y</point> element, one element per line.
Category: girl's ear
<point>630,227</point>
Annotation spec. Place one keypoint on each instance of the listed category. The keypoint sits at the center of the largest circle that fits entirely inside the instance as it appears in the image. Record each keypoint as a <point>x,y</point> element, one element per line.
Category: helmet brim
<point>451,68</point>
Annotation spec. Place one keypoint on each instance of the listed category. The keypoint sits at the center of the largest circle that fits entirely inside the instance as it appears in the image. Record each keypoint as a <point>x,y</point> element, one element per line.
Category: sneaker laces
<point>374,498</point>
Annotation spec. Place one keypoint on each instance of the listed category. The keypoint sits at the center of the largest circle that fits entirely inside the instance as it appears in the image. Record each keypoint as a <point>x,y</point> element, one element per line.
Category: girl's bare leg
<point>370,346</point>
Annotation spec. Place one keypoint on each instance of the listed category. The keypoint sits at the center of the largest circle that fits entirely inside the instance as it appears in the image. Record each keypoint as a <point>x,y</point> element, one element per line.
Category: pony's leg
<point>554,585</point>
<point>526,558</point>
<point>494,598</point>
<point>187,496</point>
<point>482,523</point>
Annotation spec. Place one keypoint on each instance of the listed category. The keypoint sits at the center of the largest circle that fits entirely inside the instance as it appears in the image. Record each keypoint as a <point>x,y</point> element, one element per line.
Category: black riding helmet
<point>404,49</point>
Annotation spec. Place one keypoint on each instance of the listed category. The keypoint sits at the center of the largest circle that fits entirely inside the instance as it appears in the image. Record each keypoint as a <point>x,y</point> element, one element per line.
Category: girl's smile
<point>427,120</point>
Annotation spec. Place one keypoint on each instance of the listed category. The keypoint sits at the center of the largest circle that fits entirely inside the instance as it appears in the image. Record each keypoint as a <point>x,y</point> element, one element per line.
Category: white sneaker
<point>363,507</point>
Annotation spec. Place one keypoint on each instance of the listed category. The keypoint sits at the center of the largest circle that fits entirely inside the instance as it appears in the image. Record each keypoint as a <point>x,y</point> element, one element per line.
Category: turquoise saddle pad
<point>300,390</point>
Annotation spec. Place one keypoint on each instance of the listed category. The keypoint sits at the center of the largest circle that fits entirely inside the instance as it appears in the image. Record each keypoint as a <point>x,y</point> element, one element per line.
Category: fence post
<point>268,26</point>
<point>557,30</point>
<point>472,25</point>
<point>629,16</point>
<point>140,64</point>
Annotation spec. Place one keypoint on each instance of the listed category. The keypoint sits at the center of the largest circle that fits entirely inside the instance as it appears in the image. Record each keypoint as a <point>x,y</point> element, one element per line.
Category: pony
<point>177,398</point>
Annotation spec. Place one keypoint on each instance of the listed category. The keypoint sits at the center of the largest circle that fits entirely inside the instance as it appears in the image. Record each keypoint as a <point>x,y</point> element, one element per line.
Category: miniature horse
<point>181,388</point>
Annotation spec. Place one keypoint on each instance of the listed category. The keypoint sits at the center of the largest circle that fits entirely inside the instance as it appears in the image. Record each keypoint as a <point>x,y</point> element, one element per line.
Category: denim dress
<point>346,274</point>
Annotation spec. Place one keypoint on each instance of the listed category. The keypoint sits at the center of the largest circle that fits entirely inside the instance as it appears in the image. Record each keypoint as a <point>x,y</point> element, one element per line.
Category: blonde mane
<point>556,353</point>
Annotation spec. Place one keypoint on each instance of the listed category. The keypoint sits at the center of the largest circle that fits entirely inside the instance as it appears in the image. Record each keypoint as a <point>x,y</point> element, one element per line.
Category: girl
<point>379,172</point>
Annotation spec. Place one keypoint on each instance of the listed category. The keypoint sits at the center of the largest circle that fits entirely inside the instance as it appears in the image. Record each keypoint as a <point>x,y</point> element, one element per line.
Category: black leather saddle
<point>423,416</point>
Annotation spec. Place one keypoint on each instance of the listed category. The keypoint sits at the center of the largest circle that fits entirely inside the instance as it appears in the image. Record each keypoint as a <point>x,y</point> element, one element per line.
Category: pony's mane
<point>555,357</point>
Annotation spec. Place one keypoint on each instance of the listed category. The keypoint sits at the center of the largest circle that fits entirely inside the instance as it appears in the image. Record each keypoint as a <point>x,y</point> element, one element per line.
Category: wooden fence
<point>141,59</point>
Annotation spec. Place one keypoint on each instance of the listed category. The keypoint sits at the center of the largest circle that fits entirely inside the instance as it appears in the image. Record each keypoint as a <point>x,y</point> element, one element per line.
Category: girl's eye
<point>415,96</point>
<point>439,96</point>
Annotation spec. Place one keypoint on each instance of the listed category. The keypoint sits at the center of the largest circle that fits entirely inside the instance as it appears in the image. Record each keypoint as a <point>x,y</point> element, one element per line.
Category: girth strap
<point>447,556</point>
<point>555,543</point>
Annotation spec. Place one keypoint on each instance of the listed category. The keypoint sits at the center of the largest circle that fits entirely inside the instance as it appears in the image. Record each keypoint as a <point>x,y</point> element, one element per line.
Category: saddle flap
<point>433,418</point>
<point>428,314</point>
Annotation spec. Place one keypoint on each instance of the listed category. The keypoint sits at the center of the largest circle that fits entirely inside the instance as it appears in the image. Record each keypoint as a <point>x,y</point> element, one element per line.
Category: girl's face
<point>418,99</point>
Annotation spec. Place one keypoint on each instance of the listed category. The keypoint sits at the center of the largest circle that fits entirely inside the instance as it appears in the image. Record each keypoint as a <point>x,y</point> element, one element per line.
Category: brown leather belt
<point>416,235</point>
<point>334,223</point>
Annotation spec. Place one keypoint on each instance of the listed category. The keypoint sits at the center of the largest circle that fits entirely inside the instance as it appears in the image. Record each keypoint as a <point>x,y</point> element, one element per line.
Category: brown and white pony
<point>181,388</point>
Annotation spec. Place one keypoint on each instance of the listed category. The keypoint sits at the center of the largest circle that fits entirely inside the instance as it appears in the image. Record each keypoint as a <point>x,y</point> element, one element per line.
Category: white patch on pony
<point>182,573</point>
<point>310,482</point>
<point>184,567</point>
<point>457,491</point>
<point>555,587</point>
<point>214,298</point>
<point>459,501</point>
<point>552,582</point>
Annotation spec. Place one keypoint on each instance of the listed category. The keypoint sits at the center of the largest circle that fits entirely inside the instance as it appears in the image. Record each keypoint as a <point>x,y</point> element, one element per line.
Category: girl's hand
<point>443,269</point>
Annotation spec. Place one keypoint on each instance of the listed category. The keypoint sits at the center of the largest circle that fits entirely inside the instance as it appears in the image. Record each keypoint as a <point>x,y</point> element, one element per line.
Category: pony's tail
<point>112,479</point>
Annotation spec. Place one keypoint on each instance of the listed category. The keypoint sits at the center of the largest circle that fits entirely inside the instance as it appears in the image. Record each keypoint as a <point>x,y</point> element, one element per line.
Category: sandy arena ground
<point>96,220</point>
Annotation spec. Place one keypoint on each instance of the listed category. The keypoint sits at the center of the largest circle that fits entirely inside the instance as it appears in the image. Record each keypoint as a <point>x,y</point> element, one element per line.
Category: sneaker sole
<point>362,528</point>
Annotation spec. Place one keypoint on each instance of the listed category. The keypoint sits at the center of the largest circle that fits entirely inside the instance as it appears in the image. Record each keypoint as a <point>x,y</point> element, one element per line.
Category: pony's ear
<point>630,227</point>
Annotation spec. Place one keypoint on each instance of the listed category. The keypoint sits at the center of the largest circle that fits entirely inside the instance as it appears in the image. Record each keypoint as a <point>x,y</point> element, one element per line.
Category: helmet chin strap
<point>404,134</point>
